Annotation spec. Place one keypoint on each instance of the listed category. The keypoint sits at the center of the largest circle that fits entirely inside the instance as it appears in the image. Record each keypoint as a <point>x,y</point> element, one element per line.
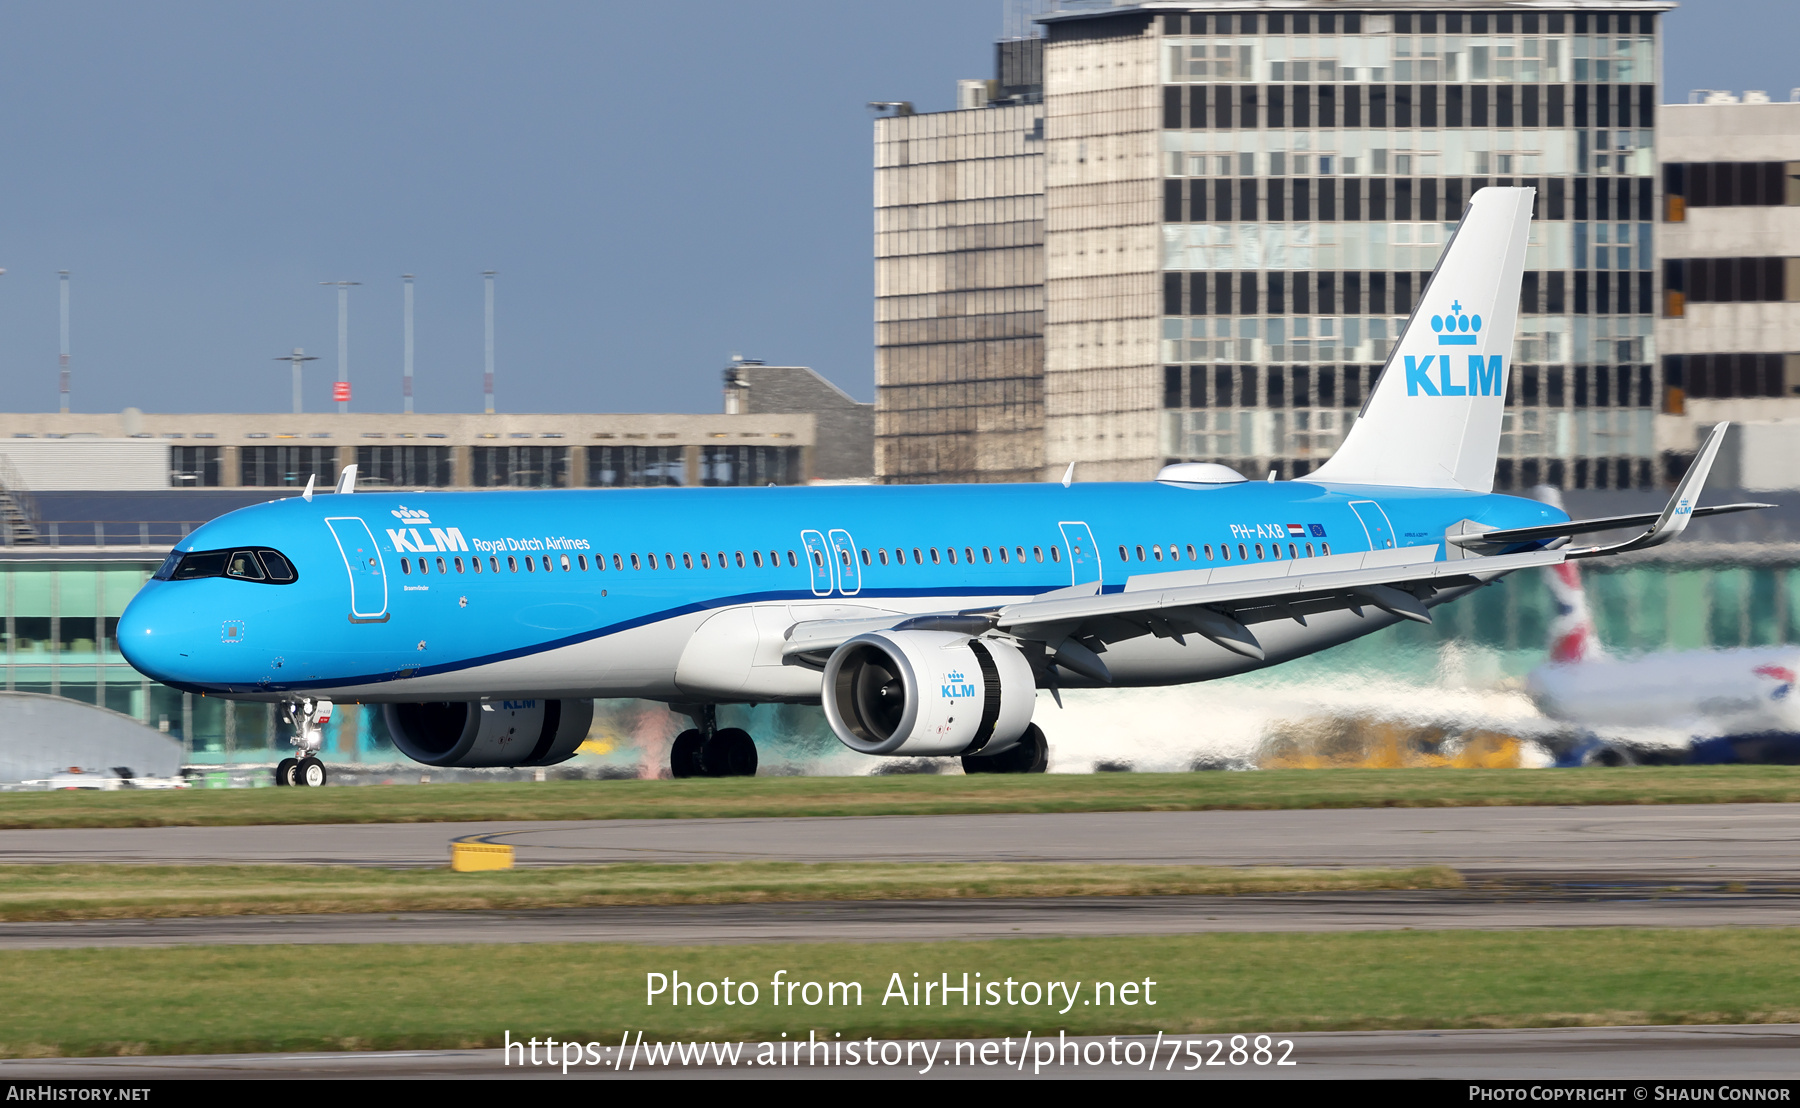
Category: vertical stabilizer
<point>1433,418</point>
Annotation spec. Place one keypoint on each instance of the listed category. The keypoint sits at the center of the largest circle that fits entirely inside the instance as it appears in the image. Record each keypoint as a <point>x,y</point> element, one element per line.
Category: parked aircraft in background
<point>924,618</point>
<point>1704,706</point>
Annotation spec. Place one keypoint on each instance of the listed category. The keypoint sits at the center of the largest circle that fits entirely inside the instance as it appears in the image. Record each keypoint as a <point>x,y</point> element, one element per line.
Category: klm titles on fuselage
<point>448,540</point>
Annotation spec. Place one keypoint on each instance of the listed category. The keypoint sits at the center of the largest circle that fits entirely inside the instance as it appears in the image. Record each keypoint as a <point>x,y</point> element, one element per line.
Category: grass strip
<point>293,998</point>
<point>905,795</point>
<point>67,892</point>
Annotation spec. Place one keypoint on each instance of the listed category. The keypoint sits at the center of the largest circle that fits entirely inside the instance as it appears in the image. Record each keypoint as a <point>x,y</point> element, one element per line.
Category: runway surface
<point>1669,842</point>
<point>1636,1056</point>
<point>935,920</point>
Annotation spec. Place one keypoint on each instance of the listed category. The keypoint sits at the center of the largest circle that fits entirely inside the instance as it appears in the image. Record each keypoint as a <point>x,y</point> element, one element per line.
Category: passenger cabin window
<point>793,561</point>
<point>512,564</point>
<point>1056,553</point>
<point>865,556</point>
<point>756,557</point>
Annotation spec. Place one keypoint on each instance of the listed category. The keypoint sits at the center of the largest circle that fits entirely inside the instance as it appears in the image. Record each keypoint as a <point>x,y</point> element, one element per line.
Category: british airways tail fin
<point>1572,635</point>
<point>1433,417</point>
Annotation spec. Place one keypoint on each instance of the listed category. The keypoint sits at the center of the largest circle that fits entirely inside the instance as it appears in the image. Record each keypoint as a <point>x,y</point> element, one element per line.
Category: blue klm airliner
<point>924,618</point>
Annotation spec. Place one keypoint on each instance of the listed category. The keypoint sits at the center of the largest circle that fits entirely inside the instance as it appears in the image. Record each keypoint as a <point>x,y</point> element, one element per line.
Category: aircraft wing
<point>1223,604</point>
<point>1219,604</point>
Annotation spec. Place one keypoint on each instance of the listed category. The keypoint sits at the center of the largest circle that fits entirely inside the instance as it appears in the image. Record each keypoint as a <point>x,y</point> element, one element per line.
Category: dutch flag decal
<point>1296,531</point>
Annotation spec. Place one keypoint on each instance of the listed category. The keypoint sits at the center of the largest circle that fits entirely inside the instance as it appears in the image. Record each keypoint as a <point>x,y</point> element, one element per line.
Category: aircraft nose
<point>150,635</point>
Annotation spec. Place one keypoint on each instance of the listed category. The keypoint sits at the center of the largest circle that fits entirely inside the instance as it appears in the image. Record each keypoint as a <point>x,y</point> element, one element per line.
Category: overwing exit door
<point>849,572</point>
<point>1084,554</point>
<point>368,576</point>
<point>818,561</point>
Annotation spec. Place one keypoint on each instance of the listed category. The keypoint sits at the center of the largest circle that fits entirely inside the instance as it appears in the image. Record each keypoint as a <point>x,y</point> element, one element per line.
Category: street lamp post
<point>407,377</point>
<point>298,358</point>
<point>343,392</point>
<point>487,378</point>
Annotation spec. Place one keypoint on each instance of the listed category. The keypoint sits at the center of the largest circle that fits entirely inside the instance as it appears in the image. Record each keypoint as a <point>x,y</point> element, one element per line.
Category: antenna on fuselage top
<point>307,495</point>
<point>347,479</point>
<point>1069,475</point>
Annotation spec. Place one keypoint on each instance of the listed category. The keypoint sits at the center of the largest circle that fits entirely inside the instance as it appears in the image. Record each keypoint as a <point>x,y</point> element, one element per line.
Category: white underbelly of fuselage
<point>733,654</point>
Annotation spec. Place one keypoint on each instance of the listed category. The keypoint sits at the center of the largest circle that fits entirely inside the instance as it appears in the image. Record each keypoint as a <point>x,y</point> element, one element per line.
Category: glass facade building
<point>1314,164</point>
<point>1239,209</point>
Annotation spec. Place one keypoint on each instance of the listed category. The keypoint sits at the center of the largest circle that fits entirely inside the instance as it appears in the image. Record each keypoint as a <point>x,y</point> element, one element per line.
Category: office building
<point>137,450</point>
<point>1729,332</point>
<point>1241,204</point>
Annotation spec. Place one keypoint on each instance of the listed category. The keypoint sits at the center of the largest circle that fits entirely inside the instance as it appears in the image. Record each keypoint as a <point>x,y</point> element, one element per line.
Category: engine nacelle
<point>466,734</point>
<point>928,693</point>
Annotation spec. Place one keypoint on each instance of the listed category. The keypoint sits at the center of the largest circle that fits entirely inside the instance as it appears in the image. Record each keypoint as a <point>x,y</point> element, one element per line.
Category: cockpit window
<point>243,564</point>
<point>279,570</point>
<point>267,567</point>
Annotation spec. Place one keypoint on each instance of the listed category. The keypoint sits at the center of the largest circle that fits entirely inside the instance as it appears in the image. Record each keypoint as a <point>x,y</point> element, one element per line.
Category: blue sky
<point>658,185</point>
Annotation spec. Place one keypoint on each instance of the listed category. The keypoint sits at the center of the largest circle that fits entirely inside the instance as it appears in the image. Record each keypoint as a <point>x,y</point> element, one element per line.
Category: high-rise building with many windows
<point>1243,202</point>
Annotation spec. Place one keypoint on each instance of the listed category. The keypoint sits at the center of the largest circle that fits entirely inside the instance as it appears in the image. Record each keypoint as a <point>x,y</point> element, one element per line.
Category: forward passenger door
<point>368,576</point>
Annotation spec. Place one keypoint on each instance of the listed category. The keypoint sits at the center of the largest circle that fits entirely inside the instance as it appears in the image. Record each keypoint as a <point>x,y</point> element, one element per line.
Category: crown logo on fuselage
<point>1456,329</point>
<point>411,515</point>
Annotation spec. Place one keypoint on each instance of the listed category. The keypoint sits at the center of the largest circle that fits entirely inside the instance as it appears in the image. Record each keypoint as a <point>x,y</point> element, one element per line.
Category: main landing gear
<point>308,718</point>
<point>708,750</point>
<point>1031,754</point>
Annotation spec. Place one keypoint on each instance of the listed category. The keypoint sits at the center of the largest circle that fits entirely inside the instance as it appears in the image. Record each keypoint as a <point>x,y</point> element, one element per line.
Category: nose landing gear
<point>707,750</point>
<point>308,718</point>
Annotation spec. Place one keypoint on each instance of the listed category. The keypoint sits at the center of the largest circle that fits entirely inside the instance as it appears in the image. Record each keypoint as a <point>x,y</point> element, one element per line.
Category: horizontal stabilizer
<point>1588,526</point>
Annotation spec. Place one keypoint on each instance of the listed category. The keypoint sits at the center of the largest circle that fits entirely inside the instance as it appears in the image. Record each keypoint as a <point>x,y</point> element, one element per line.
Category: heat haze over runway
<point>1672,842</point>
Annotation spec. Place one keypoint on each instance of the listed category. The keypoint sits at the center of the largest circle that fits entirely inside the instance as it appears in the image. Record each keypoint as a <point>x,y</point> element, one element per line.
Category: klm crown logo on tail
<point>1486,376</point>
